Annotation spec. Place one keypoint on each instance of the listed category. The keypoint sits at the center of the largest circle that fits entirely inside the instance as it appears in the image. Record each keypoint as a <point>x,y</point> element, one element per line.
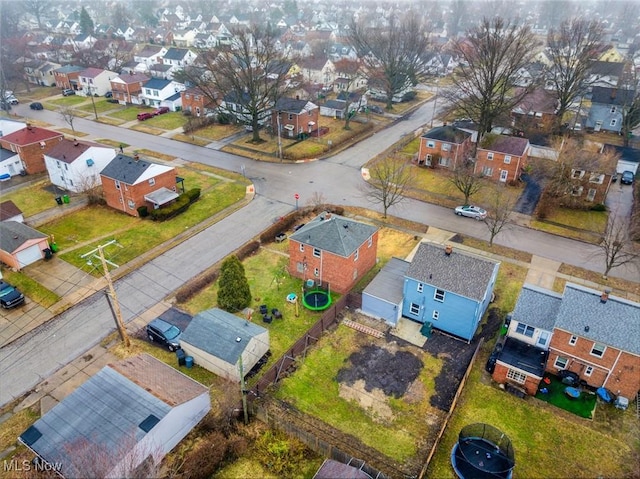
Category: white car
<point>471,212</point>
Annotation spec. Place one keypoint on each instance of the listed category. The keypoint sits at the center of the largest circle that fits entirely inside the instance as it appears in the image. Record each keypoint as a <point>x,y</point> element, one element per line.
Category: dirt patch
<point>374,402</point>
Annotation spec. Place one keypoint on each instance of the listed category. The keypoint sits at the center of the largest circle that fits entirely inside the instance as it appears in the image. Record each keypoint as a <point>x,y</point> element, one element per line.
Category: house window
<point>577,174</point>
<point>355,255</point>
<point>301,247</point>
<point>71,182</point>
<point>431,144</point>
<point>439,295</point>
<point>525,330</point>
<point>370,241</point>
<point>300,267</point>
<point>576,190</point>
<point>290,116</point>
<point>427,160</point>
<point>59,164</point>
<point>560,363</point>
<point>486,171</point>
<point>420,288</point>
<point>591,194</point>
<point>516,376</point>
<point>614,122</point>
<point>507,159</point>
<point>490,156</point>
<point>414,309</point>
<point>117,183</point>
<point>316,252</point>
<point>596,178</point>
<point>613,109</point>
<point>598,350</point>
<point>446,147</point>
<point>444,162</point>
<point>310,113</point>
<point>147,91</point>
<point>152,181</point>
<point>435,315</point>
<point>573,340</point>
<point>316,272</point>
<point>131,204</point>
<point>588,371</point>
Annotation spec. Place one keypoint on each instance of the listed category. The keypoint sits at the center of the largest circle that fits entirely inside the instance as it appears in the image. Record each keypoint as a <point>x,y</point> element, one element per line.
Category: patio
<point>583,406</point>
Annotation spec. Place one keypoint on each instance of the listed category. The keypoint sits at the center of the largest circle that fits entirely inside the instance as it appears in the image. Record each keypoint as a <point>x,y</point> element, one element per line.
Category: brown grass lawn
<point>618,285</point>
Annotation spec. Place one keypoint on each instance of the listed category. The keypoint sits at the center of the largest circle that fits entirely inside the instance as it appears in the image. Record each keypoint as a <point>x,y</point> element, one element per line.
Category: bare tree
<point>68,114</point>
<point>571,48</point>
<point>349,72</point>
<point>466,180</point>
<point>394,57</point>
<point>616,248</point>
<point>389,181</point>
<point>317,199</point>
<point>492,55</point>
<point>36,8</point>
<point>499,209</point>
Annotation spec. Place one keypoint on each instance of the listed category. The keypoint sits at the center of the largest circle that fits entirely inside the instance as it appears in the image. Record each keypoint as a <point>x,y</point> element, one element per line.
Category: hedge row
<point>181,205</point>
<point>196,285</point>
<point>286,223</point>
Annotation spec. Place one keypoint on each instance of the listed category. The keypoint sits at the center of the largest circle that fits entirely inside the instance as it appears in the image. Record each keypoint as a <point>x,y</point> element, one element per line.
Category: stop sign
<point>296,196</point>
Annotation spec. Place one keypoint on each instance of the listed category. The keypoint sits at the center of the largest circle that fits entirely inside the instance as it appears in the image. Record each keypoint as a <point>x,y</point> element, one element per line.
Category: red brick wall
<point>32,155</point>
<point>514,167</point>
<point>341,273</point>
<point>457,153</point>
<point>500,376</point>
<point>298,121</point>
<point>135,193</point>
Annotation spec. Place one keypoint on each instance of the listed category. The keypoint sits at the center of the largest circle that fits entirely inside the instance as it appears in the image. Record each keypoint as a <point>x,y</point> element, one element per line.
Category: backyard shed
<point>125,417</point>
<point>382,298</point>
<point>224,343</point>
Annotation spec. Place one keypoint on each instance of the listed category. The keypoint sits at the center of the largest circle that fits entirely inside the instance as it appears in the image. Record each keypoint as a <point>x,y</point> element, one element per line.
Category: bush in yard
<point>279,453</point>
<point>193,287</point>
<point>143,211</point>
<point>234,293</point>
<point>224,119</point>
<point>181,205</point>
<point>247,250</point>
<point>599,207</point>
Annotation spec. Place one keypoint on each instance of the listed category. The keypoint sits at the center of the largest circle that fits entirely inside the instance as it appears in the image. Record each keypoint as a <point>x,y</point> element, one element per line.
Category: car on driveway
<point>626,178</point>
<point>68,92</point>
<point>10,297</point>
<point>36,105</point>
<point>376,109</point>
<point>109,94</point>
<point>164,333</point>
<point>471,211</point>
<point>144,116</point>
<point>161,111</point>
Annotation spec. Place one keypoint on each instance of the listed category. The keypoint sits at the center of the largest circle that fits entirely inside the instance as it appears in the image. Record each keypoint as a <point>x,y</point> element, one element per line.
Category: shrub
<point>599,207</point>
<point>224,119</point>
<point>196,285</point>
<point>234,293</point>
<point>247,250</point>
<point>181,205</point>
<point>143,211</point>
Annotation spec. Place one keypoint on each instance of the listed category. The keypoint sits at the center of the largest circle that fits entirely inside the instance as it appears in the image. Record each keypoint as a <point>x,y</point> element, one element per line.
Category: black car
<point>164,333</point>
<point>36,105</point>
<point>10,297</point>
<point>376,109</point>
<point>626,178</point>
<point>109,94</point>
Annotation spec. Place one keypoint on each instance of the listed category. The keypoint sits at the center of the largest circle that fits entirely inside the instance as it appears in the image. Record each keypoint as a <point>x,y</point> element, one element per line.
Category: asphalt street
<point>26,362</point>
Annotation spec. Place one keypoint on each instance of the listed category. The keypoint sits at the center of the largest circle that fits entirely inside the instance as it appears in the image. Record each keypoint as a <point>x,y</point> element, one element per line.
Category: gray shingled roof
<point>615,323</point>
<point>387,284</point>
<point>334,233</point>
<point>215,331</point>
<point>105,411</point>
<point>447,133</point>
<point>14,234</point>
<point>126,169</point>
<point>537,307</point>
<point>460,272</point>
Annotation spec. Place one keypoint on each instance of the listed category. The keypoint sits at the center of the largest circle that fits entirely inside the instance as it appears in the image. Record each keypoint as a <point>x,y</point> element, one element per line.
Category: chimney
<point>327,215</point>
<point>29,127</point>
<point>75,142</point>
<point>604,296</point>
<point>136,157</point>
<point>448,250</point>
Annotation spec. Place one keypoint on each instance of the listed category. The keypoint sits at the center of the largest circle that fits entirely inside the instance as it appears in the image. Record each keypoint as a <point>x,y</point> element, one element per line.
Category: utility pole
<point>112,291</point>
<point>243,392</point>
<point>279,138</point>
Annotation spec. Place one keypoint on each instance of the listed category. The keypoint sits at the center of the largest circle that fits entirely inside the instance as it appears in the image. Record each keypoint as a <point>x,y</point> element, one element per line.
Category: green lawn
<point>595,221</point>
<point>71,101</point>
<point>101,104</point>
<point>168,121</point>
<point>30,288</point>
<point>583,406</point>
<point>33,199</point>
<point>130,113</point>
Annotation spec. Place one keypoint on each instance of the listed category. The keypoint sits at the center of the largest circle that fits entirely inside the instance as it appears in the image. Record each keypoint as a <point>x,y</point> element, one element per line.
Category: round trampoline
<point>482,452</point>
<point>316,300</point>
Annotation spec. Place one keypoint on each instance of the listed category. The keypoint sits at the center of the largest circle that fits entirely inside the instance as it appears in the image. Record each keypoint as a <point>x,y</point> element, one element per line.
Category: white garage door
<point>29,255</point>
<point>627,166</point>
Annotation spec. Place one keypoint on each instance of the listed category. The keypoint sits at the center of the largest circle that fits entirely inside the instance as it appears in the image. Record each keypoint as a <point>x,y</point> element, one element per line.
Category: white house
<point>149,55</point>
<point>131,413</point>
<point>10,164</point>
<point>178,58</point>
<point>9,125</point>
<point>162,92</point>
<point>75,166</point>
<point>95,81</point>
<point>224,343</point>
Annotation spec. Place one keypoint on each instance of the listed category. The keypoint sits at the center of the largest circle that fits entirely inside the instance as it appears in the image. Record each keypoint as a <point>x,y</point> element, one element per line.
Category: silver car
<point>471,212</point>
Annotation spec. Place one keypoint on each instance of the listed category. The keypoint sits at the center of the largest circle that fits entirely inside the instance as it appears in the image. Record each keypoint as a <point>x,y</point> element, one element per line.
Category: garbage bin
<point>65,198</point>
<point>189,361</point>
<point>54,247</point>
<point>181,357</point>
<point>59,200</point>
<point>425,330</point>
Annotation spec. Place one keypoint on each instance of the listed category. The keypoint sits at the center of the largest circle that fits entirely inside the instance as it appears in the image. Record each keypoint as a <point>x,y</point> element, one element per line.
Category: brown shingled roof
<point>8,209</point>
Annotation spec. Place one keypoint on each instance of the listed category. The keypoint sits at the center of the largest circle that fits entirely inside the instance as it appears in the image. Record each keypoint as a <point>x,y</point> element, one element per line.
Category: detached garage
<point>21,245</point>
<point>382,298</point>
<point>223,343</point>
<point>628,158</point>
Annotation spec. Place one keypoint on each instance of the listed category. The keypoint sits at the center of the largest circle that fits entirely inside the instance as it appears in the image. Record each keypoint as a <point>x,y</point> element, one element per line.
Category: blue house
<point>449,288</point>
<point>608,107</point>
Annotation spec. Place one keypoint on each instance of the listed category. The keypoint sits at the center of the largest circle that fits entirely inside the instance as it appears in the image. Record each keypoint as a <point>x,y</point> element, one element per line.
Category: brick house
<point>197,102</point>
<point>31,143</point>
<point>127,88</point>
<point>66,77</point>
<point>502,158</point>
<point>445,146</point>
<point>590,186</point>
<point>537,109</point>
<point>589,332</point>
<point>333,249</point>
<point>129,183</point>
<point>294,117</point>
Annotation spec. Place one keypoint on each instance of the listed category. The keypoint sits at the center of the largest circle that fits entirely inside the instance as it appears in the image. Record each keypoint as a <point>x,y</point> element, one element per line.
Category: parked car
<point>12,100</point>
<point>109,94</point>
<point>376,109</point>
<point>36,105</point>
<point>164,333</point>
<point>145,116</point>
<point>10,296</point>
<point>161,111</point>
<point>627,177</point>
<point>471,211</point>
<point>68,92</point>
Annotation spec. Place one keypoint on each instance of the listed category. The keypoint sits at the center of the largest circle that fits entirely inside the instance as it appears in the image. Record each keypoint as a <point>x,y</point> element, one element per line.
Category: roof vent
<point>605,296</point>
<point>345,226</point>
<point>238,339</point>
<point>448,250</point>
<point>586,329</point>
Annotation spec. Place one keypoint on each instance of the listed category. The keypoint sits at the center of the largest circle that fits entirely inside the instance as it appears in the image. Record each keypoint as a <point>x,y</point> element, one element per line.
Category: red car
<point>161,111</point>
<point>144,116</point>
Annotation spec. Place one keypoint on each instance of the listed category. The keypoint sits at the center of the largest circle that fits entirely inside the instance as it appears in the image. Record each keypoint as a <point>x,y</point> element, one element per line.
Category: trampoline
<point>316,300</point>
<point>482,452</point>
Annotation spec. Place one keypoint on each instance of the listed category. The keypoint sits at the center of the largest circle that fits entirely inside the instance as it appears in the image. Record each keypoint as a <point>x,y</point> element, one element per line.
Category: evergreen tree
<point>86,24</point>
<point>234,293</point>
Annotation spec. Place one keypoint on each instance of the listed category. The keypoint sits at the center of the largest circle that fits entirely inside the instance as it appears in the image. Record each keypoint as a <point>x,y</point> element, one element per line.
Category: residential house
<point>95,81</point>
<point>10,164</point>
<point>9,211</point>
<point>293,117</point>
<point>590,186</point>
<point>536,109</point>
<point>160,92</point>
<point>84,41</point>
<point>195,100</point>
<point>149,55</point>
<point>501,158</point>
<point>224,344</point>
<point>317,70</point>
<point>591,333</point>
<point>445,146</point>
<point>127,88</point>
<point>129,183</point>
<point>178,58</point>
<point>21,245</point>
<point>605,74</point>
<point>31,143</point>
<point>10,125</point>
<point>339,51</point>
<point>160,71</point>
<point>237,104</point>
<point>628,158</point>
<point>66,77</point>
<point>333,250</point>
<point>335,108</point>
<point>205,40</point>
<point>75,166</point>
<point>451,289</point>
<point>608,107</point>
<point>127,416</point>
<point>40,72</point>
<point>185,38</point>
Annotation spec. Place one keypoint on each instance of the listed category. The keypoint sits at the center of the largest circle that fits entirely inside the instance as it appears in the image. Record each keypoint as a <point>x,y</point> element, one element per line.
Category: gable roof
<point>537,307</point>
<point>8,209</point>
<point>626,153</point>
<point>447,133</point>
<point>615,322</point>
<point>602,68</point>
<point>131,78</point>
<point>460,272</point>
<point>509,145</point>
<point>175,53</point>
<point>14,234</point>
<point>69,69</point>
<point>91,72</point>
<point>216,332</point>
<point>157,83</point>
<point>335,234</point>
<point>69,150</point>
<point>131,171</point>
<point>294,105</point>
<point>31,134</point>
<point>612,96</point>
